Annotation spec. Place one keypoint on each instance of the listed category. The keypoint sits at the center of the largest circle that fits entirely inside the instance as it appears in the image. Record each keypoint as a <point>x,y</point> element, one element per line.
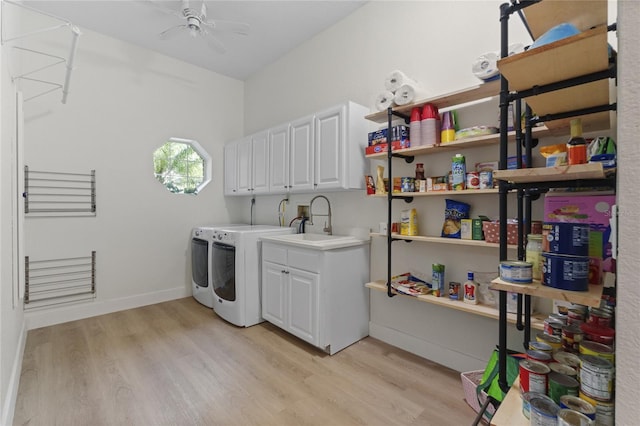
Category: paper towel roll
<point>408,93</point>
<point>384,100</point>
<point>396,79</point>
<point>485,67</point>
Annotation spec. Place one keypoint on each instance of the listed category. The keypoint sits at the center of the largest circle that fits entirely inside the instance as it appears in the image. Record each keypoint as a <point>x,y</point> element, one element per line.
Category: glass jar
<point>420,171</point>
<point>534,254</point>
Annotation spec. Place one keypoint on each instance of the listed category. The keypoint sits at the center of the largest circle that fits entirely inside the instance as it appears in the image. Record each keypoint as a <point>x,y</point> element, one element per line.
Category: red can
<point>533,376</point>
<point>571,338</point>
<point>540,356</point>
<point>599,318</point>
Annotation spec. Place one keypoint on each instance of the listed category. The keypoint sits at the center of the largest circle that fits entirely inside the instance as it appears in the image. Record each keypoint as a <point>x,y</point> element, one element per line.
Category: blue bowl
<point>556,33</point>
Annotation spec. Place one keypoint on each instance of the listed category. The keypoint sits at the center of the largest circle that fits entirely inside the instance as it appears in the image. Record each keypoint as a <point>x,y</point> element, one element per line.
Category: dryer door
<point>223,271</point>
<point>199,259</point>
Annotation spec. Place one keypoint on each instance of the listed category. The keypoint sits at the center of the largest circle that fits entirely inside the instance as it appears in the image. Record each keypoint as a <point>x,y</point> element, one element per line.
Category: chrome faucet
<point>327,227</point>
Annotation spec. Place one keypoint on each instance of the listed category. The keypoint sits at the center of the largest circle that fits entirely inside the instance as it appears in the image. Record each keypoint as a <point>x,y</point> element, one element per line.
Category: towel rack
<point>59,193</point>
<point>58,281</point>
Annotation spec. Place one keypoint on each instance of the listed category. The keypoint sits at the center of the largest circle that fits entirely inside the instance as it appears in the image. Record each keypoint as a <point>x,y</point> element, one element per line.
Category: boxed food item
<point>409,222</point>
<point>438,183</point>
<point>595,210</point>
<point>382,147</point>
<point>491,231</point>
<point>398,133</point>
<point>466,226</point>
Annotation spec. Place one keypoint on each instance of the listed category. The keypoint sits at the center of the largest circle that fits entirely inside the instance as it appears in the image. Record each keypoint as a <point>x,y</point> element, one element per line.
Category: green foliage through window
<point>181,166</point>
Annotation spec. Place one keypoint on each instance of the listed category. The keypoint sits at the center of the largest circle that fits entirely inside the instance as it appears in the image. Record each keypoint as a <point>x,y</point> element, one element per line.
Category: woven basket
<point>470,381</point>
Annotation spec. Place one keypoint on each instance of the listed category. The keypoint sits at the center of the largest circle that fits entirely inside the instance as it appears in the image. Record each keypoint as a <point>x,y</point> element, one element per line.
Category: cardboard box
<point>398,133</point>
<point>596,210</point>
<point>466,229</point>
<point>476,229</point>
<point>382,147</point>
<point>438,183</point>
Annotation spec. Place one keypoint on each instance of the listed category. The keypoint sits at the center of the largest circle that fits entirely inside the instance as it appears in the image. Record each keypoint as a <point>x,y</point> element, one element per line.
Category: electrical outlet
<point>303,211</point>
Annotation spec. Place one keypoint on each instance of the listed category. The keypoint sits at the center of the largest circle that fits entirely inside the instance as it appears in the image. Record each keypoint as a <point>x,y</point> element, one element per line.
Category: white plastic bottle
<point>470,290</point>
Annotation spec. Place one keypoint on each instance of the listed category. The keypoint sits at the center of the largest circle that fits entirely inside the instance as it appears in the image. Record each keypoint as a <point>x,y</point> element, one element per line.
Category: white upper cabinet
<point>279,159</point>
<point>231,169</point>
<point>301,155</point>
<point>319,152</point>
<point>341,137</point>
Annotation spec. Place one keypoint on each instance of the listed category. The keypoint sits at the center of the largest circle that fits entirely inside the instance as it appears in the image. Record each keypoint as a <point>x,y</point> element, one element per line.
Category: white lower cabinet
<point>317,295</point>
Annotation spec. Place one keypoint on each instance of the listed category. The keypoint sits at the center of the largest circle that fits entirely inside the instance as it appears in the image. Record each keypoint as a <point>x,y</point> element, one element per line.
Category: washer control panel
<point>224,237</point>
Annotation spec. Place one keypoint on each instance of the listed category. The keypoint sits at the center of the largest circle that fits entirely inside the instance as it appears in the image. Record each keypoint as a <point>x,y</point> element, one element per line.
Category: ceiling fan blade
<point>203,11</point>
<point>171,32</point>
<point>212,41</point>
<point>228,26</point>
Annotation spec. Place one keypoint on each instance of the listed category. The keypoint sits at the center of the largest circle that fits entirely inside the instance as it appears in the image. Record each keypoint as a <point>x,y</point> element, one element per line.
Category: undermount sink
<point>316,241</point>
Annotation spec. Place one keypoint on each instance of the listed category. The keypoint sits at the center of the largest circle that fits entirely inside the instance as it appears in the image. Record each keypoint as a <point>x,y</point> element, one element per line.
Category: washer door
<point>223,271</point>
<point>199,259</point>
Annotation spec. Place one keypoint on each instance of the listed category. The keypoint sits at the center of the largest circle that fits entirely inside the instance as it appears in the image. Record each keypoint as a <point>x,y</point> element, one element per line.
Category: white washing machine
<point>201,239</point>
<point>236,272</point>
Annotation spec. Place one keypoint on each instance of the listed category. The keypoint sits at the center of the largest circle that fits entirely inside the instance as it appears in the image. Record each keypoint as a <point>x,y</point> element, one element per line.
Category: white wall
<point>124,103</point>
<point>628,318</point>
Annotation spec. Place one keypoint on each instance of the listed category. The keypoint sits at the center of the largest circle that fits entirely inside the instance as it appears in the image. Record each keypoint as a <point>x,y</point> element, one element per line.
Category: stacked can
<point>565,256</point>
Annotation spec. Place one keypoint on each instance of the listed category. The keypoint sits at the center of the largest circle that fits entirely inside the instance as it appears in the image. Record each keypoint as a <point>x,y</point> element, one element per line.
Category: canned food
<point>554,341</point>
<point>539,356</point>
<point>577,404</point>
<point>599,317</point>
<point>540,346</point>
<point>526,401</point>
<point>596,377</point>
<point>566,238</point>
<point>587,347</point>
<point>517,272</point>
<point>563,369</point>
<point>571,338</point>
<point>567,417</point>
<point>544,412</point>
<point>604,410</point>
<point>454,290</point>
<point>533,376</point>
<point>565,272</point>
<point>604,335</point>
<point>560,384</point>
<point>566,358</point>
<point>553,327</point>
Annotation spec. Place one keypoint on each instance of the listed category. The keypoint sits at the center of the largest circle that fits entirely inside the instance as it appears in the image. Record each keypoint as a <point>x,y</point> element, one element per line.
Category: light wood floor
<point>176,363</point>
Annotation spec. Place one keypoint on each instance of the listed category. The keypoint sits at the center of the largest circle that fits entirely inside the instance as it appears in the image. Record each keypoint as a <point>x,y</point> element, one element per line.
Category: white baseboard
<point>50,316</point>
<point>9,403</point>
<point>432,351</point>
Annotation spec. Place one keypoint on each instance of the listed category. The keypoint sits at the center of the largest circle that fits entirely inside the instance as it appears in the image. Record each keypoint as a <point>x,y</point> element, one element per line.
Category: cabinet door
<point>279,159</point>
<point>274,279</point>
<point>330,128</point>
<point>260,155</point>
<point>231,169</point>
<point>245,166</point>
<point>303,300</point>
<point>301,155</point>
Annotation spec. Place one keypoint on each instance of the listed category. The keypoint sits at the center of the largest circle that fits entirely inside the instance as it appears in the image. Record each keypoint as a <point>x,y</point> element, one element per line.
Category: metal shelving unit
<point>564,79</point>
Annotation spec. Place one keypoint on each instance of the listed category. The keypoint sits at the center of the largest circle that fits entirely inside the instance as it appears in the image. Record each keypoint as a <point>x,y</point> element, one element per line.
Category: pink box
<point>594,210</point>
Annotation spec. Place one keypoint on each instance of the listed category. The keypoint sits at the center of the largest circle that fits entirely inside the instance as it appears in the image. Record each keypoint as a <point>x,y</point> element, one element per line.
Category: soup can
<point>572,360</point>
<point>565,272</point>
<point>540,346</point>
<point>544,412</point>
<point>577,404</point>
<point>540,356</point>
<point>560,384</point>
<point>605,414</point>
<point>533,376</point>
<point>553,327</point>
<point>588,347</point>
<point>516,271</point>
<point>596,377</point>
<point>571,338</point>
<point>526,401</point>
<point>557,367</point>
<point>554,341</point>
<point>568,417</point>
<point>566,238</point>
<point>599,318</point>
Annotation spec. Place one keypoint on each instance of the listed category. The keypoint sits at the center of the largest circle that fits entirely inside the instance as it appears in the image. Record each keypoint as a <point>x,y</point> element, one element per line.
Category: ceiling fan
<point>198,25</point>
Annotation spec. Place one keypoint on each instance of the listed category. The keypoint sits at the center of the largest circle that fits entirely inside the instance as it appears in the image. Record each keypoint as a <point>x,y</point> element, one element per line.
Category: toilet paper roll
<point>384,100</point>
<point>408,93</point>
<point>396,79</point>
<point>485,66</point>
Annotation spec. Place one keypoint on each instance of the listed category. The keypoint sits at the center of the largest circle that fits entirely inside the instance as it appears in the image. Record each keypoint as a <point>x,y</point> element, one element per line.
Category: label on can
<point>454,290</point>
<point>560,384</point>
<point>533,376</point>
<point>596,377</point>
<point>473,180</point>
<point>544,412</point>
<point>516,272</point>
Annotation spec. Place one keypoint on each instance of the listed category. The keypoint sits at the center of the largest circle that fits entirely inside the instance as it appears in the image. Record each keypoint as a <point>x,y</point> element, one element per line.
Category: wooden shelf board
<point>510,411</point>
<point>548,174</point>
<point>481,91</point>
<point>466,143</point>
<point>442,240</point>
<point>545,15</point>
<point>537,322</point>
<point>574,56</point>
<point>590,123</point>
<point>591,297</point>
<point>440,193</point>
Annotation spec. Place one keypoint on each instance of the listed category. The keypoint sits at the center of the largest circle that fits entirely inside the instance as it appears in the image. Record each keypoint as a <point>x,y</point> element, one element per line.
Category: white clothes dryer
<point>236,272</point>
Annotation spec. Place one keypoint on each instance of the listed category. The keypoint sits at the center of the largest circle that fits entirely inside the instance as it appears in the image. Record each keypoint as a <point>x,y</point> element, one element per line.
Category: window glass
<point>182,166</point>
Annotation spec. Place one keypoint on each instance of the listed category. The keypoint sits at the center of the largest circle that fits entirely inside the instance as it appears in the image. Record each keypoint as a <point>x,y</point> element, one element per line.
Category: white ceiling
<point>276,27</point>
